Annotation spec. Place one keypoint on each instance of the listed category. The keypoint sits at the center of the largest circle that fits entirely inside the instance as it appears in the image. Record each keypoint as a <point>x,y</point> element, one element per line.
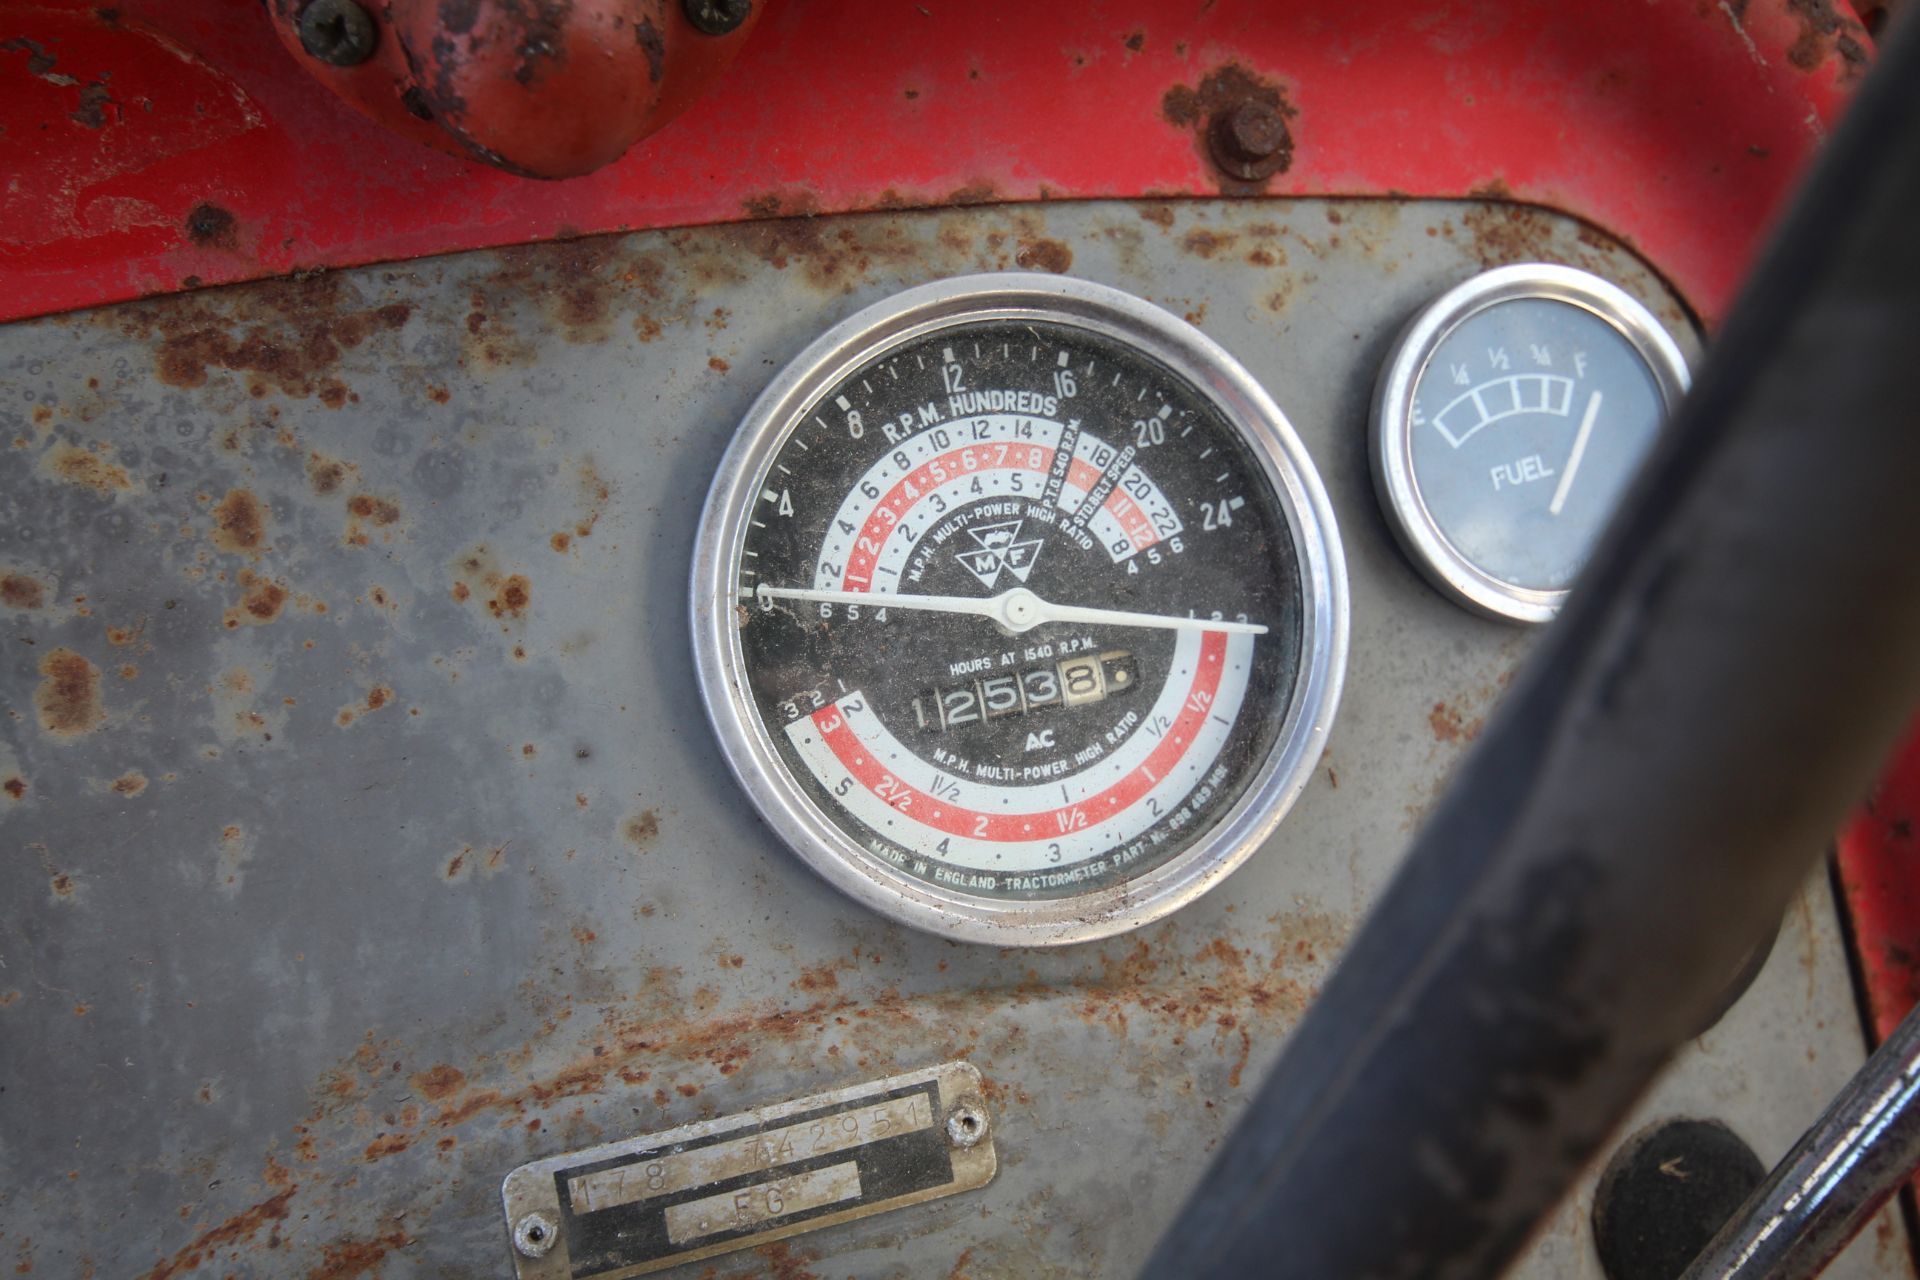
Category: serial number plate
<point>646,1203</point>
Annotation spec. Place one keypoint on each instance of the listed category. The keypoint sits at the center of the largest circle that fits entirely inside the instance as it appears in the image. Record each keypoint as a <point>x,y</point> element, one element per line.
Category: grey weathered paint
<point>309,959</point>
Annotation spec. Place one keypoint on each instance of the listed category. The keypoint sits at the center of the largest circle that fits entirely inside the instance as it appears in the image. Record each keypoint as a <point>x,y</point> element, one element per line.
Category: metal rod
<point>1722,685</point>
<point>1861,1151</point>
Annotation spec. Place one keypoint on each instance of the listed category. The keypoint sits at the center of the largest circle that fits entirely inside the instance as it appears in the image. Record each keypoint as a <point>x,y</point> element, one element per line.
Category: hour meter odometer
<point>1019,609</point>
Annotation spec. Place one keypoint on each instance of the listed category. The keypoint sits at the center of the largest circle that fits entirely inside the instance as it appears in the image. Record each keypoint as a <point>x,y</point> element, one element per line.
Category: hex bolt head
<point>338,32</point>
<point>534,1236</point>
<point>1250,140</point>
<point>716,17</point>
<point>966,1125</point>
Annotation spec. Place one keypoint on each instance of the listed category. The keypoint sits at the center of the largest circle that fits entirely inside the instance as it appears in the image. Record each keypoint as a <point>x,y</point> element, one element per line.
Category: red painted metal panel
<point>162,144</point>
<point>1879,857</point>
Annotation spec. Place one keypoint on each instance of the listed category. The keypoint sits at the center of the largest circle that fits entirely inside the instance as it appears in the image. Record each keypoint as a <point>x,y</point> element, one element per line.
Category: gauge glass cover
<point>1019,609</point>
<point>1509,419</point>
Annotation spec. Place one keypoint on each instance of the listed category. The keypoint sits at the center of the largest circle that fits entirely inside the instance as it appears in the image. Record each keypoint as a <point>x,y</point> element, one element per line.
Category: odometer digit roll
<point>1019,610</point>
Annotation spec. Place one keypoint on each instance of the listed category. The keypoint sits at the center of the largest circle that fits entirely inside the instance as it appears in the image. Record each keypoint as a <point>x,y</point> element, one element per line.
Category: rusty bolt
<point>1250,140</point>
<point>534,1236</point>
<point>717,17</point>
<point>966,1125</point>
<point>338,32</point>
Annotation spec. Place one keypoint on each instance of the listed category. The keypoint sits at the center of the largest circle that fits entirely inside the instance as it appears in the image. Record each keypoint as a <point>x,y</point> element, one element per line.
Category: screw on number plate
<point>534,1236</point>
<point>966,1125</point>
<point>338,32</point>
<point>717,17</point>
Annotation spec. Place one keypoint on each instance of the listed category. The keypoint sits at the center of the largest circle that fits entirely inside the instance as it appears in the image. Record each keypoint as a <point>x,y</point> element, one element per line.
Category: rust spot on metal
<point>641,828</point>
<point>1504,232</point>
<point>595,493</point>
<point>238,1229</point>
<point>510,599</point>
<point>1044,255</point>
<point>561,542</point>
<point>88,469</point>
<point>240,523</point>
<point>718,365</point>
<point>68,697</point>
<point>439,1081</point>
<point>1240,1063</point>
<point>1203,243</point>
<point>15,787</point>
<point>62,884</point>
<point>130,784</point>
<point>288,334</point>
<point>387,1144</point>
<point>785,1264</point>
<point>21,592</point>
<point>378,510</point>
<point>325,474</point>
<point>973,193</point>
<point>1135,40</point>
<point>571,1083</point>
<point>235,849</point>
<point>260,606</point>
<point>782,204</point>
<point>820,978</point>
<point>211,227</point>
<point>1450,725</point>
<point>1826,27</point>
<point>356,1257</point>
<point>377,697</point>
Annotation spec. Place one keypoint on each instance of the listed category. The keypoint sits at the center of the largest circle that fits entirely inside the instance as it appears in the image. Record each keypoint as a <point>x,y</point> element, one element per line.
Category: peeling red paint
<point>1743,93</point>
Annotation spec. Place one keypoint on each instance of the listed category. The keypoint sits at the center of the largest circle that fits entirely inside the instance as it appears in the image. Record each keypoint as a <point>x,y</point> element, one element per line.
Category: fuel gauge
<point>1508,420</point>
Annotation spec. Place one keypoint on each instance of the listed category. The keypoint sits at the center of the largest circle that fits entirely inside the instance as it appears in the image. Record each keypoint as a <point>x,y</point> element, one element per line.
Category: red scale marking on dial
<point>876,530</point>
<point>857,758</point>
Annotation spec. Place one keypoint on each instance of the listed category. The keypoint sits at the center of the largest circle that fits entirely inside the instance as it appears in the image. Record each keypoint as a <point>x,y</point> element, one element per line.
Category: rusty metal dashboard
<point>366,840</point>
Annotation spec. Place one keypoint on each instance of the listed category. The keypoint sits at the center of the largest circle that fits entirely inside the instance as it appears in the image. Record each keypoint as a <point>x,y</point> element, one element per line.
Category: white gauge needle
<point>1017,610</point>
<point>1573,459</point>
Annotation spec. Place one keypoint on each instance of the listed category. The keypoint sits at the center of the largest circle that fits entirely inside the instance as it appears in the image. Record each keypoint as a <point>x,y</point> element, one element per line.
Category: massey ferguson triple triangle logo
<point>999,547</point>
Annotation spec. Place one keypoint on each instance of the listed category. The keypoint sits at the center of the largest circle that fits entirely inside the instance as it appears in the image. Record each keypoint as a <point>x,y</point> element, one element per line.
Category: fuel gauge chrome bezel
<point>1449,569</point>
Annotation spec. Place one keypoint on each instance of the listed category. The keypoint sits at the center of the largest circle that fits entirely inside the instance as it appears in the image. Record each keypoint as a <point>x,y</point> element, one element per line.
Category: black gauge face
<point>1528,421</point>
<point>1509,419</point>
<point>1019,609</point>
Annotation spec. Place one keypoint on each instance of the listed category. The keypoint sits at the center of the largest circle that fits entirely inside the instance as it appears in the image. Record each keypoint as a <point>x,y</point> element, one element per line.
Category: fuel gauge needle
<point>1573,459</point>
<point>1017,610</point>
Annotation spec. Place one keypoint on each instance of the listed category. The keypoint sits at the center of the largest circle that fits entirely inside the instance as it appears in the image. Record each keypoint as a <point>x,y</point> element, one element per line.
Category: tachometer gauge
<point>1508,419</point>
<point>1019,609</point>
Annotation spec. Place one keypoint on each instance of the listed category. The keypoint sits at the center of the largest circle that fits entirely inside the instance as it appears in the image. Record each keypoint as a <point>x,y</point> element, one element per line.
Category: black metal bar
<point>1737,660</point>
<point>1863,1148</point>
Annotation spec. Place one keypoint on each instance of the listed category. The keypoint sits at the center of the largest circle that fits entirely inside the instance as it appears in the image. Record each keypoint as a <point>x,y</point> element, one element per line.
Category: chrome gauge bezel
<point>1391,451</point>
<point>719,660</point>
